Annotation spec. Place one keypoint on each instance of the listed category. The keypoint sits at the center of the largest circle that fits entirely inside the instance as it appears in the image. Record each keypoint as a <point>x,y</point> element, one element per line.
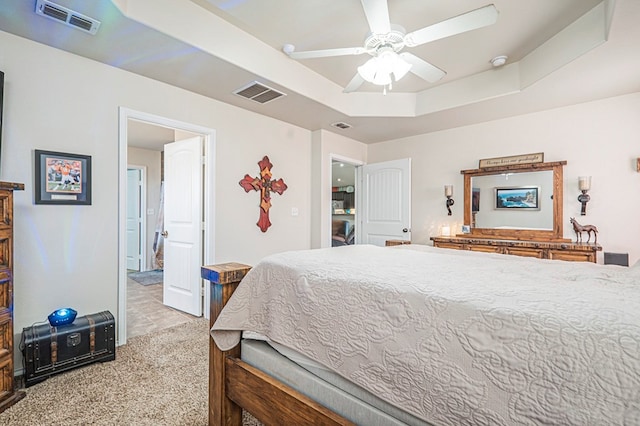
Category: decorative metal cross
<point>266,186</point>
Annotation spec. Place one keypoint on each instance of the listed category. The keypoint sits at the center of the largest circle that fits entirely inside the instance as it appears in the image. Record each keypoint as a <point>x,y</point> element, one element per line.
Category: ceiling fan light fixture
<point>378,70</point>
<point>382,79</point>
<point>401,68</point>
<point>373,72</point>
<point>368,70</point>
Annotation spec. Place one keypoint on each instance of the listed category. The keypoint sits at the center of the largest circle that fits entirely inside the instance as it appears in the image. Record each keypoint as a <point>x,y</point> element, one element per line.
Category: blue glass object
<point>62,316</point>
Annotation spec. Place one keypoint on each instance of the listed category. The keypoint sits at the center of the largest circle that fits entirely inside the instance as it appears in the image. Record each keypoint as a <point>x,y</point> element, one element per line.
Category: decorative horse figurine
<point>579,229</point>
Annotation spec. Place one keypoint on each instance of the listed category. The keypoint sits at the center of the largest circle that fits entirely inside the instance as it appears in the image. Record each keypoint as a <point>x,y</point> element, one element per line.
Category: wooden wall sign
<point>266,186</point>
<point>537,157</point>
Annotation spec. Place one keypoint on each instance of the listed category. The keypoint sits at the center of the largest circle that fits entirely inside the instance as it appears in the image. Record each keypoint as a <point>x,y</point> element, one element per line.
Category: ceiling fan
<point>385,41</point>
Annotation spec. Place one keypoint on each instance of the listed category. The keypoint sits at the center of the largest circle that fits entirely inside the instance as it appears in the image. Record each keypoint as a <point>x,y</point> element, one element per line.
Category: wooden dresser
<point>576,252</point>
<point>8,393</point>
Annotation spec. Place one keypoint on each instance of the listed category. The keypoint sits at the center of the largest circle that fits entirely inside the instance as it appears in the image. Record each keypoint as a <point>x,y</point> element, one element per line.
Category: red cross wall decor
<point>266,186</point>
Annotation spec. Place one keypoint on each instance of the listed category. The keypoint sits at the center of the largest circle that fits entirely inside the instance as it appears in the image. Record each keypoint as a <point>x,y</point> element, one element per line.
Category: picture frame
<point>517,198</point>
<point>62,178</point>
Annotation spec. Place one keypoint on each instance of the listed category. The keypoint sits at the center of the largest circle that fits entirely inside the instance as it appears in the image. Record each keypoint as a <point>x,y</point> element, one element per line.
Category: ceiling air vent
<point>67,16</point>
<point>341,125</point>
<point>258,92</point>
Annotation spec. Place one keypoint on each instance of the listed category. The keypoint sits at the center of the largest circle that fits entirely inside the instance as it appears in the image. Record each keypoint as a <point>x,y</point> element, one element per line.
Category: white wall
<point>599,139</point>
<point>67,255</point>
<point>151,160</point>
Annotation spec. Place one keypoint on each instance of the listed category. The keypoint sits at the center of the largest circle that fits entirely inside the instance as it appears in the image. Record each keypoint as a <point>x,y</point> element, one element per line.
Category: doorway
<point>343,203</point>
<point>343,178</point>
<point>127,117</point>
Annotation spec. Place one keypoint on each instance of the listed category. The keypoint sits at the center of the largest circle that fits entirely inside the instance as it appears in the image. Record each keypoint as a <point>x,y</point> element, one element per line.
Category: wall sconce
<point>448,192</point>
<point>584,183</point>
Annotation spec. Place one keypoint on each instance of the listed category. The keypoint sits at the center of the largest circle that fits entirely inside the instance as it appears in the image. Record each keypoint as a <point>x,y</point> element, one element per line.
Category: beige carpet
<point>156,379</point>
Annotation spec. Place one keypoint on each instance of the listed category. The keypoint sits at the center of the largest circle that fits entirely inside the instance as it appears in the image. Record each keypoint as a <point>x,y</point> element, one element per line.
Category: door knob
<point>405,230</point>
<point>165,234</point>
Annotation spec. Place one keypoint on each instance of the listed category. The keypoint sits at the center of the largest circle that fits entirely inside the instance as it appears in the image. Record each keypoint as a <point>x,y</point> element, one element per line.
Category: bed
<point>442,336</point>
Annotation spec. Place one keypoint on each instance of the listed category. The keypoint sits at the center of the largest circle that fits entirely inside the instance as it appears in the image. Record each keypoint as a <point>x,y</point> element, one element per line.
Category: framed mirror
<point>520,202</point>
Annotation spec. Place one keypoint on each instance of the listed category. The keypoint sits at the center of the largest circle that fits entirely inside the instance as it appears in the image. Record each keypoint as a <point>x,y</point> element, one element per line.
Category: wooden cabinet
<point>555,250</point>
<point>8,393</point>
<point>347,199</point>
<point>389,243</point>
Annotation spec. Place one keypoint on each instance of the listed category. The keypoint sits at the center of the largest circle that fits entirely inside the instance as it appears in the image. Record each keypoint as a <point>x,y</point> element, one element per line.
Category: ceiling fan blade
<point>475,19</point>
<point>377,12</point>
<point>326,52</point>
<point>422,68</point>
<point>354,84</point>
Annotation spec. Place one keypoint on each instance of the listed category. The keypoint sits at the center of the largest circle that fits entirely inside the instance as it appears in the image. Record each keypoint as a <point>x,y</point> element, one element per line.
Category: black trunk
<point>50,350</point>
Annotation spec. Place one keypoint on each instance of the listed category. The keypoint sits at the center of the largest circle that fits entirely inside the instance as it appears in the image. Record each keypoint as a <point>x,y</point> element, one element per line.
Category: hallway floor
<point>145,311</point>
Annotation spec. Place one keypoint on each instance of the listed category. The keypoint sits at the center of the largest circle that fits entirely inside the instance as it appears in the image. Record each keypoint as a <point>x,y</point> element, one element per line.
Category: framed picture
<point>518,198</point>
<point>62,178</point>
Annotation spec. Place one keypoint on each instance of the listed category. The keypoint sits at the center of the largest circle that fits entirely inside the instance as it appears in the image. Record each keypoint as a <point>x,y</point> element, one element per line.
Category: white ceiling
<point>318,24</point>
<point>214,47</point>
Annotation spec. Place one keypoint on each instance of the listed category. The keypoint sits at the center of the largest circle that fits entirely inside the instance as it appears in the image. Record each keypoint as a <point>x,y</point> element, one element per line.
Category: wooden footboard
<point>234,385</point>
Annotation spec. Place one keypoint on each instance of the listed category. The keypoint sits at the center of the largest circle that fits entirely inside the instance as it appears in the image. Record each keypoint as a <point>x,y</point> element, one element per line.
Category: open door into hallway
<point>203,248</point>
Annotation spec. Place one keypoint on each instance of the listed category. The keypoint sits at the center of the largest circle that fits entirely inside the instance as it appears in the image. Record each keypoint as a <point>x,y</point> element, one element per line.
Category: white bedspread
<point>456,337</point>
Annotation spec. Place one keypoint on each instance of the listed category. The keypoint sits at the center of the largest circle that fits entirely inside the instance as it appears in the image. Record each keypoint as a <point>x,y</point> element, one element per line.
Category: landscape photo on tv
<point>518,198</point>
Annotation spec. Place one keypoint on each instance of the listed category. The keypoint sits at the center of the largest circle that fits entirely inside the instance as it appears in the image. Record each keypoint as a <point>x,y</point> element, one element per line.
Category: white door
<point>385,212</point>
<point>183,170</point>
<point>134,219</point>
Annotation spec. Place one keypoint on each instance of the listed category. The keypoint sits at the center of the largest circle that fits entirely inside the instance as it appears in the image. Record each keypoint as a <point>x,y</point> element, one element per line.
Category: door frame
<point>143,214</point>
<point>356,163</point>
<point>208,246</point>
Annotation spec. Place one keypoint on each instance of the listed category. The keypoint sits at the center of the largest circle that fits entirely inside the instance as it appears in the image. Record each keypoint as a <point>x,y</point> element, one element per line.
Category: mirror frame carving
<point>555,234</point>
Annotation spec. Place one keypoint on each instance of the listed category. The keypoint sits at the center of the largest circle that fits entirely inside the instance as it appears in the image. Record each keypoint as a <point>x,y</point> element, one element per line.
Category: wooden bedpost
<point>224,280</point>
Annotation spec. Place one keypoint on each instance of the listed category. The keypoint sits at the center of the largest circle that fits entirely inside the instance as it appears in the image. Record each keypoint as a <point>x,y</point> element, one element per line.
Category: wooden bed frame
<point>235,385</point>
